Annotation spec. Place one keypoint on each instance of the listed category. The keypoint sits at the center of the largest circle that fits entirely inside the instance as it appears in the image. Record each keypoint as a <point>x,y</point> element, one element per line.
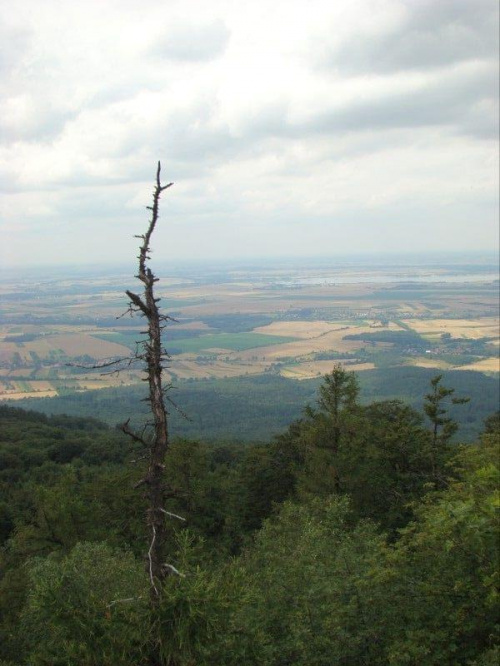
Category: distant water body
<point>391,278</point>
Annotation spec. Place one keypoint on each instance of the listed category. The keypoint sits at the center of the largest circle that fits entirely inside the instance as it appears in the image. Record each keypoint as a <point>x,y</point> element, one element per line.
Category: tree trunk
<point>154,356</point>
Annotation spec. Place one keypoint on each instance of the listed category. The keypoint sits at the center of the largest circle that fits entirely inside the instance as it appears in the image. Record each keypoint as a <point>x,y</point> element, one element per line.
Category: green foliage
<point>445,572</point>
<point>387,466</point>
<point>88,608</point>
<point>444,427</point>
<point>61,518</point>
<point>77,505</point>
<point>205,480</point>
<point>379,455</point>
<point>492,424</point>
<point>30,440</point>
<point>325,431</point>
<point>279,565</point>
<point>305,598</point>
<point>187,618</point>
<point>317,588</point>
<point>267,476</point>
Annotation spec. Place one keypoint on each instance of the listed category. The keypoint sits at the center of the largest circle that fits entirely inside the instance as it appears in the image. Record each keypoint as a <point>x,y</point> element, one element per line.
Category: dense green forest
<point>363,533</point>
<point>254,408</point>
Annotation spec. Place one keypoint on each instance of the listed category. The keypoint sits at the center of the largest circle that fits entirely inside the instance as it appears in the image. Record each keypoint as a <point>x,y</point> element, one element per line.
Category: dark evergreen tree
<point>443,427</point>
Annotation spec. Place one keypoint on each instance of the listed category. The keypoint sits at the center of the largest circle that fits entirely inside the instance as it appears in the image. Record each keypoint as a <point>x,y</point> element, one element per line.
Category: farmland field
<point>232,321</point>
<point>228,341</point>
<point>311,369</point>
<point>486,327</point>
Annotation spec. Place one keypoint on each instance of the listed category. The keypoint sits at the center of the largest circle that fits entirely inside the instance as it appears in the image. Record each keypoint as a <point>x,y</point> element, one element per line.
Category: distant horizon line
<point>421,256</point>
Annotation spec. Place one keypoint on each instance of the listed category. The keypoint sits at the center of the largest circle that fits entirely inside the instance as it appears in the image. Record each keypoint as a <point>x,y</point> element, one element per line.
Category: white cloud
<point>277,121</point>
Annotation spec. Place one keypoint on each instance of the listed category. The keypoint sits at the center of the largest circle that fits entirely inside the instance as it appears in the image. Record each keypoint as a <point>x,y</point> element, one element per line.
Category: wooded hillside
<point>360,535</point>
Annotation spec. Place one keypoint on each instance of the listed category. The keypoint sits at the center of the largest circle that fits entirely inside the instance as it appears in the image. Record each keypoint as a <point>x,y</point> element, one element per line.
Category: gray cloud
<point>431,34</point>
<point>193,43</point>
<point>452,100</point>
<point>48,122</point>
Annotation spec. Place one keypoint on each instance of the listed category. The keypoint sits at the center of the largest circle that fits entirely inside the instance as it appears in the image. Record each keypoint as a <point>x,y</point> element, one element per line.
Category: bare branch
<point>123,601</point>
<point>133,435</point>
<point>175,571</point>
<point>177,408</point>
<point>138,302</point>
<point>150,551</point>
<point>172,515</point>
<point>98,366</point>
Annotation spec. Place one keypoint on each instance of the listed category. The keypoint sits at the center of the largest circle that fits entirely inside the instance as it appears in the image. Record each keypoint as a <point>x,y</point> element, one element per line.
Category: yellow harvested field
<point>487,327</point>
<point>20,373</point>
<point>30,394</point>
<point>42,385</point>
<point>71,344</point>
<point>16,391</point>
<point>311,369</point>
<point>96,380</point>
<point>486,365</point>
<point>331,341</point>
<point>93,385</point>
<point>81,343</point>
<point>431,363</point>
<point>186,369</point>
<point>9,349</point>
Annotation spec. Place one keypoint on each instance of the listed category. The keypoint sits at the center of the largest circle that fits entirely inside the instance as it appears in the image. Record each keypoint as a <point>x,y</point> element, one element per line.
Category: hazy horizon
<point>477,260</point>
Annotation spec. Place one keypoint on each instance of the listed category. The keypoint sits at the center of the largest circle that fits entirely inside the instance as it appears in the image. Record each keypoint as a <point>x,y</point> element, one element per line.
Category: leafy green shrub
<point>188,618</point>
<point>89,608</point>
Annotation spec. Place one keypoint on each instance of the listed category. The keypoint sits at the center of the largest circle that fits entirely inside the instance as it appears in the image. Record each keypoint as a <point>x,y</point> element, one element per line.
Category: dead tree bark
<point>154,357</point>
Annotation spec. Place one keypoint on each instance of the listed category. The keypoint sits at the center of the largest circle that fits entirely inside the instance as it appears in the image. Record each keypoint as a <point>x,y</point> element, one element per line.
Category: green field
<point>197,342</point>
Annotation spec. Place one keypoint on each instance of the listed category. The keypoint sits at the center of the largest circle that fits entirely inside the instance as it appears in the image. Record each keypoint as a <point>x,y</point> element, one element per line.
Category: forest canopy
<point>362,534</point>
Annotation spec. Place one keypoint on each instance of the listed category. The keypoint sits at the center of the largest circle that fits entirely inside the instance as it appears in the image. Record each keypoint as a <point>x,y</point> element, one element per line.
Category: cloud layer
<point>291,128</point>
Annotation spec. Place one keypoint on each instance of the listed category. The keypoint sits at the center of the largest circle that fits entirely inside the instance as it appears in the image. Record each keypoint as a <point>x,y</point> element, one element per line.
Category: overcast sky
<point>289,128</point>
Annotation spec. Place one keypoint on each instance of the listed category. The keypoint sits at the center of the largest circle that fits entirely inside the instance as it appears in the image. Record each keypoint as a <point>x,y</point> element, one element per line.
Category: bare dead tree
<point>154,357</point>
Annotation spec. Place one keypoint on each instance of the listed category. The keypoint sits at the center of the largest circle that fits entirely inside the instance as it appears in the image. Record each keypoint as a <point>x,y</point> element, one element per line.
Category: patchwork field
<point>486,327</point>
<point>190,369</point>
<point>288,321</point>
<point>329,341</point>
<point>17,390</point>
<point>431,363</point>
<point>224,342</point>
<point>60,344</point>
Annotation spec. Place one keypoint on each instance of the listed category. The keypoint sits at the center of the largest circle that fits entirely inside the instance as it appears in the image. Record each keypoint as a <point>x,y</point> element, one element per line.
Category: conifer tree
<point>443,427</point>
